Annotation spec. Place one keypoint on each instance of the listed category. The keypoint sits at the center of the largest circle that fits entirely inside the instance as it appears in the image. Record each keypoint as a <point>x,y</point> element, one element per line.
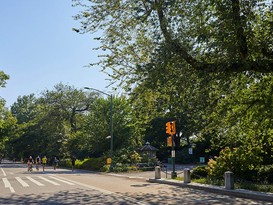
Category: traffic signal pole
<point>171,129</point>
<point>174,174</point>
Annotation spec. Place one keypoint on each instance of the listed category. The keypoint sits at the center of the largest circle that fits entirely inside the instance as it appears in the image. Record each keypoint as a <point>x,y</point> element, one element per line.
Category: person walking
<point>44,160</point>
<point>55,163</point>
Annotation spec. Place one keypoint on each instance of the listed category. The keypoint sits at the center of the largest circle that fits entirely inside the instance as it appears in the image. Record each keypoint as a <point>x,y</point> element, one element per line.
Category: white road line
<point>106,192</point>
<point>8,185</point>
<point>23,183</point>
<point>47,180</point>
<point>35,181</point>
<point>66,182</point>
<point>3,172</point>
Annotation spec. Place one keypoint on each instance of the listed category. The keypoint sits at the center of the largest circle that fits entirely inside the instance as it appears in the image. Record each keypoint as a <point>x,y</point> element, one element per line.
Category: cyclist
<point>30,162</point>
<point>38,162</point>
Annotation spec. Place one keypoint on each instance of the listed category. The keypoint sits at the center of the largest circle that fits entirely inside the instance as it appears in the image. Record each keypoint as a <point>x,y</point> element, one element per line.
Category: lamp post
<point>111,121</point>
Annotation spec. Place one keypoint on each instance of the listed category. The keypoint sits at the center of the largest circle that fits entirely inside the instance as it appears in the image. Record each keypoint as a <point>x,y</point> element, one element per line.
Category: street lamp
<point>111,122</point>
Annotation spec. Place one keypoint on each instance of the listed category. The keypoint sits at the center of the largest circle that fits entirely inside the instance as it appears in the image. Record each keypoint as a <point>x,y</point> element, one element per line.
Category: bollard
<point>157,172</point>
<point>187,175</point>
<point>229,180</point>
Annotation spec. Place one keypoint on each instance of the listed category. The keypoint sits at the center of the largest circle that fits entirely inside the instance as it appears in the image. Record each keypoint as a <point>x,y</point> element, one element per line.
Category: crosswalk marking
<point>8,185</point>
<point>66,182</point>
<point>3,172</point>
<point>23,183</point>
<point>35,181</point>
<point>47,180</point>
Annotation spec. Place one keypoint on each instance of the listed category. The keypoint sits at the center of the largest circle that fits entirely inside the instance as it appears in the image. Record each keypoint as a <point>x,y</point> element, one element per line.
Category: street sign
<point>190,150</point>
<point>108,160</point>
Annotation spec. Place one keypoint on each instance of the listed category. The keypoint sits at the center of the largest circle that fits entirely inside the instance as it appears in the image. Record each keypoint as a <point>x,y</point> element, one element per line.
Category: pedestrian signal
<point>169,141</point>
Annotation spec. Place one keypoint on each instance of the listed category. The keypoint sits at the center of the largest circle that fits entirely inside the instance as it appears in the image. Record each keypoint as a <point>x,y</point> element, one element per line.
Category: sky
<point>38,49</point>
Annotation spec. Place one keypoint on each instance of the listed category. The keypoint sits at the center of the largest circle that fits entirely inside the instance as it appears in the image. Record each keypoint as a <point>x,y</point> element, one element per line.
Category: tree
<point>210,36</point>
<point>7,126</point>
<point>3,78</point>
<point>243,118</point>
<point>96,127</point>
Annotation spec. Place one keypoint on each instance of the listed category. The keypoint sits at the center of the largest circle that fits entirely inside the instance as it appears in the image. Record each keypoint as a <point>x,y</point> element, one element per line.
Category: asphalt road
<point>62,186</point>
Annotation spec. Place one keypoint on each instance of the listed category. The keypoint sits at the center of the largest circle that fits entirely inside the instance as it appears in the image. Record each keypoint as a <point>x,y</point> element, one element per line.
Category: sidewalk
<point>149,176</point>
<point>217,189</point>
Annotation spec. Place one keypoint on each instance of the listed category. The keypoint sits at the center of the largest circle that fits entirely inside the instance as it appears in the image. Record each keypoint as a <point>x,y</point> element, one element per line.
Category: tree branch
<point>240,34</point>
<point>175,44</point>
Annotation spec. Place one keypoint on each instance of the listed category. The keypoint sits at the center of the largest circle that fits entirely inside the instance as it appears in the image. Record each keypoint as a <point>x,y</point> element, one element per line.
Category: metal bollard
<point>229,180</point>
<point>157,172</point>
<point>187,175</point>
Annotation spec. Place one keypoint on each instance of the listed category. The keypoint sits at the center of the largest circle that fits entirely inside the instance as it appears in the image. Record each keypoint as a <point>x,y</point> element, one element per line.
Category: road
<point>62,186</point>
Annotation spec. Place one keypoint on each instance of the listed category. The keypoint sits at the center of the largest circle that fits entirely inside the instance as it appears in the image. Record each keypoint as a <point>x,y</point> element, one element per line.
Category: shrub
<point>126,156</point>
<point>240,161</point>
<point>92,164</point>
<point>65,163</point>
<point>105,168</point>
<point>119,167</point>
<point>265,173</point>
<point>199,172</point>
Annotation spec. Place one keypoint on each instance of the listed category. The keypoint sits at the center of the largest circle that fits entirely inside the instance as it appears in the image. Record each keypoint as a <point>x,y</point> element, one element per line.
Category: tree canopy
<point>210,36</point>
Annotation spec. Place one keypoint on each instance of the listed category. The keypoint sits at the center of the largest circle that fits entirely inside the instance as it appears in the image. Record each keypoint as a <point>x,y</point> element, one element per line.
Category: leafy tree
<point>3,78</point>
<point>213,36</point>
<point>7,126</point>
<point>97,126</point>
<point>243,118</point>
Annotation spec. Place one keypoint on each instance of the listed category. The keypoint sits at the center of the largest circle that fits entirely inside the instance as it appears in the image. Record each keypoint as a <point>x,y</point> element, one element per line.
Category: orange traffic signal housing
<point>173,129</point>
<point>169,141</point>
<point>170,128</point>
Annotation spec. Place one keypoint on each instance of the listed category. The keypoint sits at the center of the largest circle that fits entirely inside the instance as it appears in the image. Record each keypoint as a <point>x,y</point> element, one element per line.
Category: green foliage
<point>94,164</point>
<point>105,168</point>
<point>268,188</point>
<point>119,167</point>
<point>126,157</point>
<point>240,161</point>
<point>199,172</point>
<point>3,78</point>
<point>265,174</point>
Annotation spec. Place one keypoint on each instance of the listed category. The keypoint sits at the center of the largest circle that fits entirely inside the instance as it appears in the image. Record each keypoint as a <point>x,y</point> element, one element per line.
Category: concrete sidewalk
<point>149,176</point>
<point>218,189</point>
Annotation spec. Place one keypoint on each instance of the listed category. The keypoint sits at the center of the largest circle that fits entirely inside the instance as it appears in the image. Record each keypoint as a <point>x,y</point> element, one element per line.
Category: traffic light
<point>173,129</point>
<point>168,127</point>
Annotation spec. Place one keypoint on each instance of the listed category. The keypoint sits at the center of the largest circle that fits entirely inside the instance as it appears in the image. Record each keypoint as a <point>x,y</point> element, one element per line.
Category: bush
<point>126,156</point>
<point>240,161</point>
<point>265,173</point>
<point>94,164</point>
<point>65,163</point>
<point>199,172</point>
<point>105,168</point>
<point>119,167</point>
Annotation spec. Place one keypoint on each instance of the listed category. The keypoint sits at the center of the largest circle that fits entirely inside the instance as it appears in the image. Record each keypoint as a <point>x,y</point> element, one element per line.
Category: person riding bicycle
<point>38,162</point>
<point>30,162</point>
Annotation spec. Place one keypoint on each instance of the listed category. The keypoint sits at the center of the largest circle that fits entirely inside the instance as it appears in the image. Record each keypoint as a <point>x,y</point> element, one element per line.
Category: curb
<point>262,196</point>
